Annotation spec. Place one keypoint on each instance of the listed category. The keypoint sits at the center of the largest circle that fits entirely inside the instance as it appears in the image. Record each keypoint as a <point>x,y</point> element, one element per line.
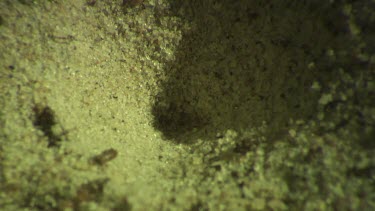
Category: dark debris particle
<point>244,146</point>
<point>123,205</point>
<point>132,3</point>
<point>91,191</point>
<point>91,2</point>
<point>104,157</point>
<point>44,120</point>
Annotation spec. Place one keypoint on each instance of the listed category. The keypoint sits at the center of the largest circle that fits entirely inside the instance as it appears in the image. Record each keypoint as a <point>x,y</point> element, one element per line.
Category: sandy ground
<point>177,105</point>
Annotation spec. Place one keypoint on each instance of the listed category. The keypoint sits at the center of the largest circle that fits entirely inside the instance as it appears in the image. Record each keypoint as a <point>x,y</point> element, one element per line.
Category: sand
<point>187,105</point>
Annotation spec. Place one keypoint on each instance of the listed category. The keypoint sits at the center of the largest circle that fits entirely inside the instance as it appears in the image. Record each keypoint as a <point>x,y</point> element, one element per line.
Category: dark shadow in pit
<point>241,63</point>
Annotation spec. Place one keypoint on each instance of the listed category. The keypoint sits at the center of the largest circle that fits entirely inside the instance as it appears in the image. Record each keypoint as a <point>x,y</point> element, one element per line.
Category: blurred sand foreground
<point>187,105</point>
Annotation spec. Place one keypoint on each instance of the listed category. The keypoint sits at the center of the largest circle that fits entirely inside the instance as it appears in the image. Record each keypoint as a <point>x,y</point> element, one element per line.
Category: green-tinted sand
<point>187,105</point>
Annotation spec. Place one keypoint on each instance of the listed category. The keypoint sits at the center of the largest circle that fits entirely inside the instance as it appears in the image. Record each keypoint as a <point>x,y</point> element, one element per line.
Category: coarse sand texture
<point>187,105</point>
